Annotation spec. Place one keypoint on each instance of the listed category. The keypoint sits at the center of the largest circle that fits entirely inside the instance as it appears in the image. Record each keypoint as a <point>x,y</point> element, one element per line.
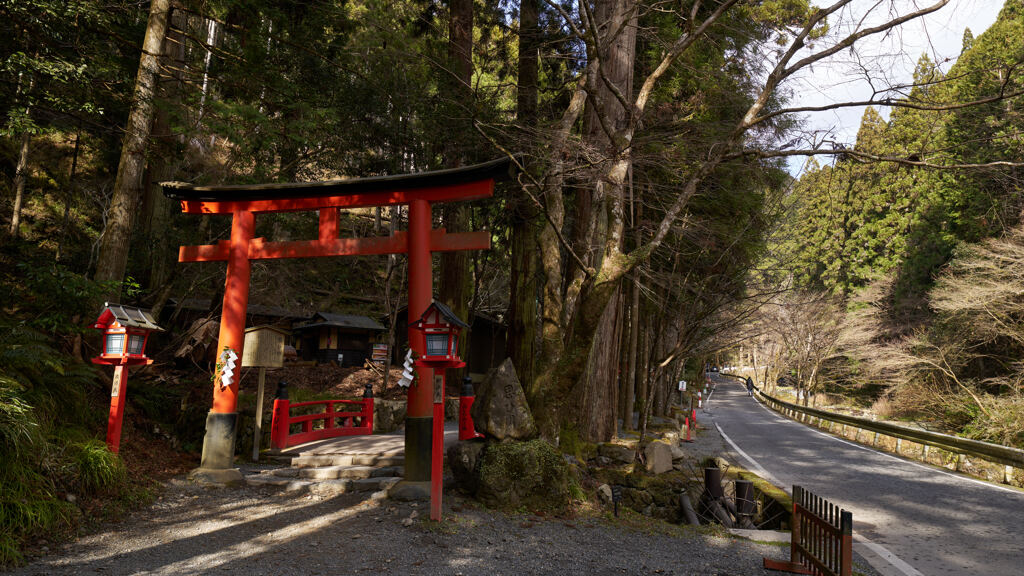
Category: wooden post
<point>118,390</point>
<point>258,427</point>
<point>437,448</point>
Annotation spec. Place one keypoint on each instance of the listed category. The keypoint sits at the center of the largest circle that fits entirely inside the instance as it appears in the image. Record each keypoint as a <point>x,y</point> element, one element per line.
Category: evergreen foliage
<point>900,244</point>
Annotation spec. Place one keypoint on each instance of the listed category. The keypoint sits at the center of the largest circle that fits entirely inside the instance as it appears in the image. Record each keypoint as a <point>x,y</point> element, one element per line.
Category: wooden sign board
<point>264,346</point>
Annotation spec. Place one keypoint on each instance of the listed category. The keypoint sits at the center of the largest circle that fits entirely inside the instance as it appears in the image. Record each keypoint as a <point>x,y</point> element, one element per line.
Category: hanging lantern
<point>440,327</point>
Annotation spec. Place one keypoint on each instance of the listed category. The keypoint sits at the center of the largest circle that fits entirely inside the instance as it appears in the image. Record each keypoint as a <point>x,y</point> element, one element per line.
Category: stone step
<point>346,485</point>
<point>333,472</point>
<point>287,484</point>
<point>388,471</point>
<point>318,460</point>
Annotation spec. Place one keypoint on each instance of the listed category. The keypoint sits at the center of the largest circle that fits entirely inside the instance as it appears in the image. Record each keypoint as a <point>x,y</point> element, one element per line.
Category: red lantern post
<point>439,328</point>
<point>125,334</point>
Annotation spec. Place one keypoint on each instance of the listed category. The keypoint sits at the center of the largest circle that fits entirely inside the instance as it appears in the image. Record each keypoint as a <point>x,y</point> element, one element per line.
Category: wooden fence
<point>822,538</point>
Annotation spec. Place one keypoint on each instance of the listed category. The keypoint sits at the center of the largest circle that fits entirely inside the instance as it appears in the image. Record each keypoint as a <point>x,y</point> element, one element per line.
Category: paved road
<point>935,523</point>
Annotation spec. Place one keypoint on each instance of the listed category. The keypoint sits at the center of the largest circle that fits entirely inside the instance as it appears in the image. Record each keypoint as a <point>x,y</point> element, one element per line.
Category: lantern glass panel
<point>455,345</point>
<point>437,344</point>
<point>135,342</point>
<point>115,344</point>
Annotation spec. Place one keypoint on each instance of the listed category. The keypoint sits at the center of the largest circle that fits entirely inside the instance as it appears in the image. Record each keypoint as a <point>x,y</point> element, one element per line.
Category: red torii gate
<point>419,191</point>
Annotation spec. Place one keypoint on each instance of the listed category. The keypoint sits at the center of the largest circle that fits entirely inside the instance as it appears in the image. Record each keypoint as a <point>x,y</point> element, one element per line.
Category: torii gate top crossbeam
<point>466,183</point>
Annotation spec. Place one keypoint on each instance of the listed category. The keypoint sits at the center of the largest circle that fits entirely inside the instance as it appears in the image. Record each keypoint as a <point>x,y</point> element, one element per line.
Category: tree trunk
<point>631,372</point>
<point>69,196</point>
<point>529,44</point>
<point>523,307</point>
<point>597,396</point>
<point>163,166</point>
<point>456,282</point>
<point>113,256</point>
<point>20,177</point>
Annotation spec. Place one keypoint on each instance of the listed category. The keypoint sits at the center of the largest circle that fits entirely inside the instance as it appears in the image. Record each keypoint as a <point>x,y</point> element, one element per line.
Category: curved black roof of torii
<point>499,169</point>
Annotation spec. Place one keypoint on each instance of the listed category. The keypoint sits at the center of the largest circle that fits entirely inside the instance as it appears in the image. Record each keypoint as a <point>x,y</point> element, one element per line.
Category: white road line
<point>892,456</point>
<point>882,553</point>
<point>750,461</point>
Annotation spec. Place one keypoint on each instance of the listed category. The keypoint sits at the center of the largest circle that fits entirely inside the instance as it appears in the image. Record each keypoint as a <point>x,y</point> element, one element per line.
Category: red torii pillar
<point>419,191</point>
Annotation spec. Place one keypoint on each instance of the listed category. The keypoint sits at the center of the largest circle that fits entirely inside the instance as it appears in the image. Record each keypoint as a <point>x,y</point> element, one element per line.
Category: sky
<point>885,59</point>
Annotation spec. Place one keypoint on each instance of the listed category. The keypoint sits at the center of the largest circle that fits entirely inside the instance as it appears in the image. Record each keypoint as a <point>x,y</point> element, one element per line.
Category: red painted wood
<point>236,301</point>
<point>116,415</point>
<point>466,191</point>
<point>421,294</point>
<point>437,460</point>
<point>260,249</point>
<point>328,229</point>
<point>336,424</point>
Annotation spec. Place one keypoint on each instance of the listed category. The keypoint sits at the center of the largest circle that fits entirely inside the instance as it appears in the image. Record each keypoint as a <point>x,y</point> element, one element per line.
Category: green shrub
<point>28,506</point>
<point>18,427</point>
<point>98,468</point>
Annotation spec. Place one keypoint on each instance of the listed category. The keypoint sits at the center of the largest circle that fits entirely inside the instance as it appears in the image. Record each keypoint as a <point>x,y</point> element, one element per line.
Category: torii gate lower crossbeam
<point>419,191</point>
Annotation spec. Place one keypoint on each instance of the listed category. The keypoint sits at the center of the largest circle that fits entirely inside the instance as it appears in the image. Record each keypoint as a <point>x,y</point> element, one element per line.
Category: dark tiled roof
<point>449,315</point>
<point>132,316</point>
<point>351,321</point>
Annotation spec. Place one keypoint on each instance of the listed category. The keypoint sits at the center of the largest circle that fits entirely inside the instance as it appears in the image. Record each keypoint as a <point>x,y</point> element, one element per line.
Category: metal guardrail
<point>984,450</point>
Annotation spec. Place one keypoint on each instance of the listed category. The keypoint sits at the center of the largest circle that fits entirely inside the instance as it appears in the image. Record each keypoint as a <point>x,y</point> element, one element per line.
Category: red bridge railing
<point>335,422</point>
<point>822,538</point>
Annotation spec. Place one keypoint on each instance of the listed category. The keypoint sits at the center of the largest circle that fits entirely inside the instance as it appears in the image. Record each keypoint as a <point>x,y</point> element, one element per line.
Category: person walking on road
<point>750,386</point>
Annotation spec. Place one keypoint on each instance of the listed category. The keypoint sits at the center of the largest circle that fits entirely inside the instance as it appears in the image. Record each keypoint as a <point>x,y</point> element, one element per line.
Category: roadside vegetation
<point>900,286</point>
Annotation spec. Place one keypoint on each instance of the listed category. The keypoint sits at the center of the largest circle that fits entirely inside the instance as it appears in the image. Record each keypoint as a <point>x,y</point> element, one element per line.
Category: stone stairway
<point>371,463</point>
<point>331,473</point>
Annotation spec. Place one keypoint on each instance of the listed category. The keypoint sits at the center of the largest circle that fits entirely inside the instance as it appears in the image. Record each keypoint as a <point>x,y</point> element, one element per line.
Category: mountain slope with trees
<point>920,253</point>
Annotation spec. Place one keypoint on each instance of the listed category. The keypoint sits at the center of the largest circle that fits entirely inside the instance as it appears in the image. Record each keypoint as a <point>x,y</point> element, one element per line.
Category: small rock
<point>413,515</point>
<point>677,453</point>
<point>616,452</point>
<point>71,498</point>
<point>604,493</point>
<point>407,522</point>
<point>659,457</point>
<point>463,458</point>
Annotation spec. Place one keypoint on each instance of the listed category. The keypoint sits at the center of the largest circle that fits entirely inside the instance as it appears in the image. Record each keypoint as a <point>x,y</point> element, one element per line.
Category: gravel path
<point>255,531</point>
<point>195,530</point>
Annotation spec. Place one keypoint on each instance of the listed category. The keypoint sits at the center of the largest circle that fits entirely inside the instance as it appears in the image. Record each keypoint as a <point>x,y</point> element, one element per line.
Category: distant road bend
<point>909,519</point>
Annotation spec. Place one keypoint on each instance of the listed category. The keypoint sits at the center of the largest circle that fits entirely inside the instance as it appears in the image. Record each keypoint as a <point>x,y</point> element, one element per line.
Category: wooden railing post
<point>329,417</point>
<point>846,544</point>
<point>367,418</point>
<point>279,422</point>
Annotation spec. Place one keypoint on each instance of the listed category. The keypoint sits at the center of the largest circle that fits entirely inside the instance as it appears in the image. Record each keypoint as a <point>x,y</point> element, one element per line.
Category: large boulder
<point>388,415</point>
<point>658,455</point>
<point>531,474</point>
<point>500,410</point>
